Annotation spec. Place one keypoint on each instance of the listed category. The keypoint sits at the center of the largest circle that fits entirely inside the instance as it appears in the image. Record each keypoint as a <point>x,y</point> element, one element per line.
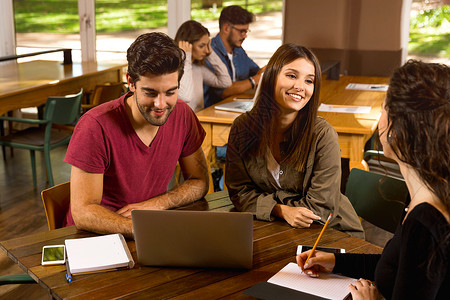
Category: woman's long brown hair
<point>265,112</point>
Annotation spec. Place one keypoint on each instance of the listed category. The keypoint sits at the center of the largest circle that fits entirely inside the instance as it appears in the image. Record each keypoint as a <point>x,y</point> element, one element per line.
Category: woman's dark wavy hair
<point>265,112</point>
<point>418,110</point>
<point>191,31</point>
<point>154,53</point>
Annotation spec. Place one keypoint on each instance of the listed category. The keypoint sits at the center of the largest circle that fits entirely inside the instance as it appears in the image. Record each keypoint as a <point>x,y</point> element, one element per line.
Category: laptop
<point>181,238</point>
<point>239,105</point>
<point>236,106</point>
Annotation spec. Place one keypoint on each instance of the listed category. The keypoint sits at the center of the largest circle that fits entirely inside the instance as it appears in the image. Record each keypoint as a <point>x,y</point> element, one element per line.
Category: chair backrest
<point>376,162</point>
<point>106,92</point>
<point>16,279</point>
<point>377,198</point>
<point>64,110</point>
<point>56,203</point>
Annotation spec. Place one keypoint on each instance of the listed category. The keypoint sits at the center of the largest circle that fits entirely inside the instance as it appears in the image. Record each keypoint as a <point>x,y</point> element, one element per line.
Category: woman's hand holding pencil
<point>312,262</point>
<point>320,262</point>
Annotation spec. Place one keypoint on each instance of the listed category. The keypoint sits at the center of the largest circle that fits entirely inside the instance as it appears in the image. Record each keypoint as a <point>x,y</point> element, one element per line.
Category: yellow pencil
<point>318,238</point>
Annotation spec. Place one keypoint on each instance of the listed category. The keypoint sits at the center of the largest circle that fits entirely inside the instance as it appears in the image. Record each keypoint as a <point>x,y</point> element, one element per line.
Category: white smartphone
<point>302,248</point>
<point>53,255</point>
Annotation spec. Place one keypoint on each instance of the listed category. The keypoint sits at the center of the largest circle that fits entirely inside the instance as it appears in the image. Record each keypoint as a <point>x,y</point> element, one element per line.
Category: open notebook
<point>291,283</point>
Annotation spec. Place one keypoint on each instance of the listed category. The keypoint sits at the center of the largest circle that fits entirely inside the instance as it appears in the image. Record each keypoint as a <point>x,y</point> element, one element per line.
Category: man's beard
<point>154,120</point>
<point>232,43</point>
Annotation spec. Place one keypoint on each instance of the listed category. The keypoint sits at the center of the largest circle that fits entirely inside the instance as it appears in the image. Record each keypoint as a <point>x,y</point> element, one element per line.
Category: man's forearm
<point>187,192</point>
<point>238,87</point>
<point>98,219</point>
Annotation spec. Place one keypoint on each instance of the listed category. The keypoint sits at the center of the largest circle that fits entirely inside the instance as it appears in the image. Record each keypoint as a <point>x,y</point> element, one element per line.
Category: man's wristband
<point>252,82</point>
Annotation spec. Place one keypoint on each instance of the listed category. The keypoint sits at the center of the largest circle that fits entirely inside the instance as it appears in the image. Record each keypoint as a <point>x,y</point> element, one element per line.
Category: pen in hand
<point>318,238</point>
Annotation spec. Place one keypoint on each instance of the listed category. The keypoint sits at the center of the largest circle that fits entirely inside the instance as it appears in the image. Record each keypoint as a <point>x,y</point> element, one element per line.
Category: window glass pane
<point>429,31</point>
<point>49,24</point>
<point>120,22</point>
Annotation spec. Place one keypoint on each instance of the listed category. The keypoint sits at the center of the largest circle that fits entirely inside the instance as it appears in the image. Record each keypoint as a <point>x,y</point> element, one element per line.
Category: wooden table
<point>29,84</point>
<point>354,129</point>
<point>274,246</point>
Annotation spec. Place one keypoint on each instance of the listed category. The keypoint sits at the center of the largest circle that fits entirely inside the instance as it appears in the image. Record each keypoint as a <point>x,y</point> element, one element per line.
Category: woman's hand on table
<point>364,289</point>
<point>299,217</point>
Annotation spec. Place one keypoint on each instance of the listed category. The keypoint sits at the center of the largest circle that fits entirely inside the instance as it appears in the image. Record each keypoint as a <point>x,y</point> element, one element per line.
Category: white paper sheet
<point>367,87</point>
<point>330,286</point>
<point>349,109</point>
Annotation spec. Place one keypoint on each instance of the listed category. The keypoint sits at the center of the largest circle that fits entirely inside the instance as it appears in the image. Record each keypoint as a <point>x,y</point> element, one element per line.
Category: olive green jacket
<point>318,188</point>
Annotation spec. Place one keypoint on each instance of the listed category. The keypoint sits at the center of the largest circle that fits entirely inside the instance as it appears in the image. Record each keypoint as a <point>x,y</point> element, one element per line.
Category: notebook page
<point>330,286</point>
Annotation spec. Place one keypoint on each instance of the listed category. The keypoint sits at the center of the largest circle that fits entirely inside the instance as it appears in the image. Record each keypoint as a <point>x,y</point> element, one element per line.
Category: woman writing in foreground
<point>414,131</point>
<point>193,38</point>
<point>282,159</point>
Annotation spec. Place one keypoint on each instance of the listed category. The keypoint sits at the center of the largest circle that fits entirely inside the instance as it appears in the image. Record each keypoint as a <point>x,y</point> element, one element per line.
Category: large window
<point>55,24</point>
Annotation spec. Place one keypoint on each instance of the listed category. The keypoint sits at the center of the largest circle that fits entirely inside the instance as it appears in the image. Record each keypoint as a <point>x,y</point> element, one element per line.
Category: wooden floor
<point>21,209</point>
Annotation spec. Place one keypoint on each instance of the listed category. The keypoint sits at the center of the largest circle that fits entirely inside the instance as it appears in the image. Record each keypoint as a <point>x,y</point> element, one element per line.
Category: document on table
<point>367,87</point>
<point>100,253</point>
<point>350,109</point>
<point>329,286</point>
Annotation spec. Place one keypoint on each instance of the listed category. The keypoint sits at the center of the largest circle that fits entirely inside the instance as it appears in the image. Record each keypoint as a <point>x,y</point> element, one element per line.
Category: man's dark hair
<point>235,15</point>
<point>154,53</point>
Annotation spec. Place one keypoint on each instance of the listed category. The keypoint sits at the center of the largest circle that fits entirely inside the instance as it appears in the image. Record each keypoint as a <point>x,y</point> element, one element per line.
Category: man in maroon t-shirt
<point>123,153</point>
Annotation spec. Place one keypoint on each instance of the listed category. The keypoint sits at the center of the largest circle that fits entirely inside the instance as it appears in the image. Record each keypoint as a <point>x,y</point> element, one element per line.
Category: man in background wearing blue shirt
<point>234,23</point>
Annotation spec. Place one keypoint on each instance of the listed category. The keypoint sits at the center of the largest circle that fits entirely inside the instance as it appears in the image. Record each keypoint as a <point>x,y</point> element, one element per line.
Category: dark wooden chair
<point>376,162</point>
<point>56,202</point>
<point>104,93</point>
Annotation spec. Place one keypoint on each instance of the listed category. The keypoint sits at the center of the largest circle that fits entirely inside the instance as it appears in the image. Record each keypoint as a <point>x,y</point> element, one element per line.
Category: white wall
<point>7,31</point>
